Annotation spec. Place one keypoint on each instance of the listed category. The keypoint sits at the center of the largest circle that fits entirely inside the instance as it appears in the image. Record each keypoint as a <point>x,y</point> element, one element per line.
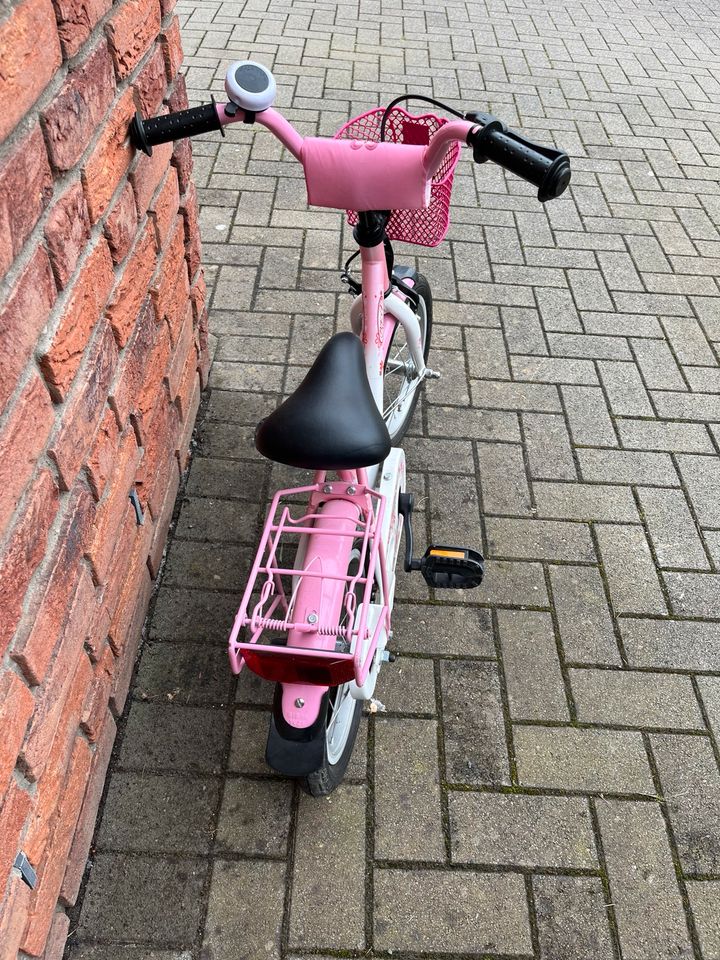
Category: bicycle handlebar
<point>146,134</point>
<point>546,168</point>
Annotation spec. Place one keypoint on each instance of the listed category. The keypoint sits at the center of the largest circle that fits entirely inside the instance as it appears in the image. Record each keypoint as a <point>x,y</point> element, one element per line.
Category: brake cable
<point>414,96</point>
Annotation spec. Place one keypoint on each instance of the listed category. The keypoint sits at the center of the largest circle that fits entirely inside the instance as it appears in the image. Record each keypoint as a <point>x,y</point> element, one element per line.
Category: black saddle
<point>331,422</point>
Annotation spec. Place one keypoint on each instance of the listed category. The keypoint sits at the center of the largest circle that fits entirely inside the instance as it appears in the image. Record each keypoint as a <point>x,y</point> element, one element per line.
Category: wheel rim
<point>400,381</point>
<point>339,724</point>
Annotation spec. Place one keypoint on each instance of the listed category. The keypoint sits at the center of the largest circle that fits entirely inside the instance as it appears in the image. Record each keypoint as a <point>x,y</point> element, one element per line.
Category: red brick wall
<point>102,351</point>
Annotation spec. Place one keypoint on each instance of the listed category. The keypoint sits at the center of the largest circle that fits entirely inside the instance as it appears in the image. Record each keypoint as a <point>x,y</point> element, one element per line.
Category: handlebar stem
<point>441,142</point>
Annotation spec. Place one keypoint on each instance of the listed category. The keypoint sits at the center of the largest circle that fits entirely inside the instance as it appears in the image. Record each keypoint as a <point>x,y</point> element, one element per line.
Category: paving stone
<point>673,436</point>
<point>475,747</point>
<point>183,674</point>
<point>625,390</point>
<point>635,699</point>
<point>177,738</point>
<point>585,501</point>
<point>119,951</point>
<point>432,629</point>
<point>621,466</point>
<point>121,901</point>
<point>710,694</point>
<point>496,395</point>
<point>476,424</point>
<point>553,370</point>
<point>408,686</point>
<point>255,818</point>
<point>449,456</point>
<point>227,441</point>
<point>211,566</point>
<point>249,737</point>
<point>584,621</point>
<point>572,918</point>
<point>643,888</point>
<point>451,912</point>
<point>212,477</point>
<point>539,540</point>
<point>657,364</point>
<point>694,594</point>
<point>159,814</point>
<point>225,521</point>
<point>524,831</point>
<point>671,644</point>
<point>548,447</point>
<point>532,669</point>
<point>630,571</point>
<point>487,354</point>
<point>701,476</point>
<point>672,529</point>
<point>590,761</point>
<point>691,787</point>
<point>454,511</point>
<point>703,407</point>
<point>588,416</point>
<point>511,584</point>
<point>503,480</point>
<point>237,407</point>
<point>330,836</point>
<point>705,904</point>
<point>407,791</point>
<point>557,310</point>
<point>181,614</point>
<point>245,907</point>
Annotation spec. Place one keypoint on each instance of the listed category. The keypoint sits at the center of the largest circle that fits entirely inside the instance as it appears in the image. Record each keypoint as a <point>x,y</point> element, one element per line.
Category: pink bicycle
<point>315,617</point>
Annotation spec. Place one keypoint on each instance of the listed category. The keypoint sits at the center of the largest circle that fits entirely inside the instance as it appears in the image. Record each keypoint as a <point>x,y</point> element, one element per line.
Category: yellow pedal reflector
<point>455,554</point>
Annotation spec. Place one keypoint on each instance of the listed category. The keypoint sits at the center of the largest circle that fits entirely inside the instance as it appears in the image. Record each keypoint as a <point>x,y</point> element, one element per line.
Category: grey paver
<point>407,791</point>
<point>539,540</point>
<point>408,686</point>
<point>255,818</point>
<point>183,674</point>
<point>548,447</point>
<point>532,669</point>
<point>572,918</point>
<point>462,912</point>
<point>245,907</point>
<point>190,739</point>
<point>646,899</point>
<point>447,629</point>
<point>630,571</point>
<point>671,644</point>
<point>635,699</point>
<point>705,904</point>
<point>672,529</point>
<point>515,830</point>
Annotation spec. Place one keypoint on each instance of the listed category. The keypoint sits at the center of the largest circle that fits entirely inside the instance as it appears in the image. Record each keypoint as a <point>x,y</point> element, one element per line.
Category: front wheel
<point>401,386</point>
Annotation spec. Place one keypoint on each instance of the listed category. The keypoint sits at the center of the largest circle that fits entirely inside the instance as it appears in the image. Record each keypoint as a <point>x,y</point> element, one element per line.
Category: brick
<point>143,366</point>
<point>701,476</point>
<point>588,416</point>
<point>86,300</point>
<point>25,173</point>
<point>688,341</point>
<point>671,644</point>
<point>101,460</point>
<point>451,911</point>
<point>14,809</point>
<point>557,310</point>
<point>675,437</point>
<point>24,551</point>
<point>76,112</point>
<point>111,510</point>
<point>691,787</point>
<point>475,748</point>
<point>182,158</point>
<point>634,699</point>
<point>57,937</point>
<point>496,395</point>
<point>694,594</point>
<point>585,501</point>
<point>147,175</point>
<point>13,914</point>
<point>185,353</point>
<point>171,44</point>
<point>408,822</point>
<point>164,207</point>
<point>444,630</point>
<point>77,856</point>
<point>657,365</point>
<point>630,571</point>
<point>591,347</point>
<point>487,354</point>
<point>48,606</point>
<point>539,540</point>
<point>643,889</point>
<point>264,810</point>
<point>532,670</point>
<point>131,289</point>
<point>130,32</point>
<point>701,407</point>
<point>22,439</point>
<point>625,390</point>
<point>621,466</point>
<point>572,918</point>
<point>120,225</point>
<point>162,525</point>
<point>67,231</point>
<point>190,212</point>
<point>521,831</point>
<point>590,761</point>
<point>259,930</point>
<point>150,84</point>
<point>672,529</point>
<point>76,21</point>
<point>16,707</point>
<point>29,27</point>
<point>24,315</point>
<point>548,447</point>
<point>110,158</point>
<point>503,479</point>
<point>53,694</point>
<point>83,408</point>
<point>51,874</point>
<point>96,701</point>
<point>589,290</point>
<point>584,621</point>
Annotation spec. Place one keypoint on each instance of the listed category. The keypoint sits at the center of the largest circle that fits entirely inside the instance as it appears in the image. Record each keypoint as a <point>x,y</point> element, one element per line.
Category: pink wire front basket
<point>424,227</point>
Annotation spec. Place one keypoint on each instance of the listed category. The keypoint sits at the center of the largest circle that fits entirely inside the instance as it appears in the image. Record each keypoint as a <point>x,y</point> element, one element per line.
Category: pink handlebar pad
<point>362,175</point>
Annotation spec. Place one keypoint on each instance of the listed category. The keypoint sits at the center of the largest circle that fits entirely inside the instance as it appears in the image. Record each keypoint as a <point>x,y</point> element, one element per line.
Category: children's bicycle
<point>315,617</point>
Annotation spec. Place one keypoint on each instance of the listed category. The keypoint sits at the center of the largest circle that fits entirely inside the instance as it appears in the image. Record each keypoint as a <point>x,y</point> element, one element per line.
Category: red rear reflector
<point>286,667</point>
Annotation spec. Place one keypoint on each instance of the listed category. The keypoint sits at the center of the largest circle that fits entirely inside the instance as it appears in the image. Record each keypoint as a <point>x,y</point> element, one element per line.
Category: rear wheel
<point>401,385</point>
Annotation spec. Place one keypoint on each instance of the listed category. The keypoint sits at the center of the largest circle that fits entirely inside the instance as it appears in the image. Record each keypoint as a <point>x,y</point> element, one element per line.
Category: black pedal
<point>452,568</point>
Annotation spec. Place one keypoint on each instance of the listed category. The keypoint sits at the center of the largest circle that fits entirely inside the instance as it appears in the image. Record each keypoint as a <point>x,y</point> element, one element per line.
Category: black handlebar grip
<point>145,134</point>
<point>546,168</point>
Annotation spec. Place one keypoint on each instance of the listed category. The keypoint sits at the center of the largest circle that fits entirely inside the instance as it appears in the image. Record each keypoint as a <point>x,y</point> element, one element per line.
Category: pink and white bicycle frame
<point>354,515</point>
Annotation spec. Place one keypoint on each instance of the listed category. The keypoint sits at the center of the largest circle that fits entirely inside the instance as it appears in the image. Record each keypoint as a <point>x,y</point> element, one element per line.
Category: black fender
<point>296,751</point>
